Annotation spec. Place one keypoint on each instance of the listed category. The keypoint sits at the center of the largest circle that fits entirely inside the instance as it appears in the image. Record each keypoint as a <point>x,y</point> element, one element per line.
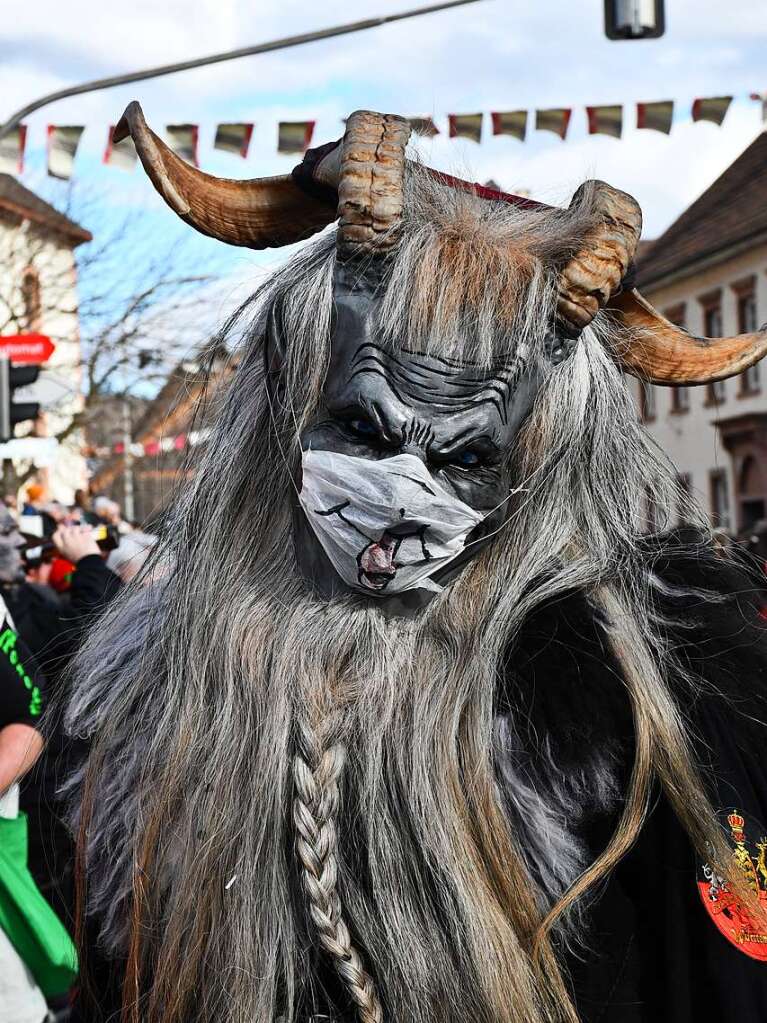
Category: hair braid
<point>317,768</point>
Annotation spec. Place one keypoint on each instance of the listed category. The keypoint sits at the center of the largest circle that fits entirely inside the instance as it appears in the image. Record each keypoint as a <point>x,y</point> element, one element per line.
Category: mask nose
<point>416,438</point>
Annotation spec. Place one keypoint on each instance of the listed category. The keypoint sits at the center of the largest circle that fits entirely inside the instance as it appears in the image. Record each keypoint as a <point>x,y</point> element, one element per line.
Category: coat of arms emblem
<point>731,917</point>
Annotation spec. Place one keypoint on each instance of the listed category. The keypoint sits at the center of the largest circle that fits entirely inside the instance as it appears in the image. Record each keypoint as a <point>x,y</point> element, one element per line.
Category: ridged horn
<point>370,182</point>
<point>259,213</point>
<point>659,352</point>
<point>594,274</point>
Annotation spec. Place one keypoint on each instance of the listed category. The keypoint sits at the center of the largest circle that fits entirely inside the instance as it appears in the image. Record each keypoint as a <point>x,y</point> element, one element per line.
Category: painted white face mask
<point>386,525</point>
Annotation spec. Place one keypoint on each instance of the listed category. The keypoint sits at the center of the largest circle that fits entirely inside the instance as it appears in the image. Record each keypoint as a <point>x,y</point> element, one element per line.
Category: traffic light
<point>13,412</point>
<point>634,19</point>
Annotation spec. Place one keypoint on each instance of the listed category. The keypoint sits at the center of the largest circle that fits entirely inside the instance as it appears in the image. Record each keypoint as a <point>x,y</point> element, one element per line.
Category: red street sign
<point>27,347</point>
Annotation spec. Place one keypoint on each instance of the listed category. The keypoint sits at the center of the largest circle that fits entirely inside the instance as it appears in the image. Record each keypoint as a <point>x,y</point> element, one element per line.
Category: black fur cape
<point>653,952</point>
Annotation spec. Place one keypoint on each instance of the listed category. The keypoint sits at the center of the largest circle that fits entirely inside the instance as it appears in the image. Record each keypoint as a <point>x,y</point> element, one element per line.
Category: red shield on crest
<point>733,919</point>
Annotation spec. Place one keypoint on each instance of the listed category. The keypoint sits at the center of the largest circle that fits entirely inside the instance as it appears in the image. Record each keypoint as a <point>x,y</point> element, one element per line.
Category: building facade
<point>38,294</point>
<point>154,446</point>
<point>708,273</point>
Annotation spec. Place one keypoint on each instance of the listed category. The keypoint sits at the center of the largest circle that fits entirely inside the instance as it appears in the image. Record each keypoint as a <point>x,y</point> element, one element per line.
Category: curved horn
<point>370,182</point>
<point>599,266</point>
<point>661,353</point>
<point>259,213</point>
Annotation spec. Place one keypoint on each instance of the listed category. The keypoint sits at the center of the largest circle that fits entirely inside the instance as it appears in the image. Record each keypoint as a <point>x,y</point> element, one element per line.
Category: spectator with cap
<point>34,499</point>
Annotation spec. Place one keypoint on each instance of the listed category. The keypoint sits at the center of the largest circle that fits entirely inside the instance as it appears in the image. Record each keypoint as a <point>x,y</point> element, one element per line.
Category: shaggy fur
<point>203,687</point>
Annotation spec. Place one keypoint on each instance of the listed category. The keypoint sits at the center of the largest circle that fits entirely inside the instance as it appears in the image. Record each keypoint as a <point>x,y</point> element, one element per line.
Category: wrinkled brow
<point>437,381</point>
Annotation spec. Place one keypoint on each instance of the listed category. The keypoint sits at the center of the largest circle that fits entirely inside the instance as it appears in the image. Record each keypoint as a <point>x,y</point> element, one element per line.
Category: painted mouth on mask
<point>375,563</point>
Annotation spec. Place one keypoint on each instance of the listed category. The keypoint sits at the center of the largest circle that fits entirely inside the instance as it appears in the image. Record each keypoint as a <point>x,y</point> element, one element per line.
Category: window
<point>30,297</point>
<point>712,320</point>
<point>716,393</point>
<point>677,314</point>
<point>684,481</point>
<point>720,499</point>
<point>648,406</point>
<point>749,379</point>
<point>680,399</point>
<point>680,396</point>
<point>751,489</point>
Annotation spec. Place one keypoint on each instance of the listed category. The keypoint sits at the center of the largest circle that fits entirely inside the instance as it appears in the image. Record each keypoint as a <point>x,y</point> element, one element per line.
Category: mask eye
<point>364,428</point>
<point>467,459</point>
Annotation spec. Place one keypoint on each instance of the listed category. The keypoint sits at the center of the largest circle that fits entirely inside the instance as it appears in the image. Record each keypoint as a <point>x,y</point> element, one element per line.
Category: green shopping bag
<point>32,927</point>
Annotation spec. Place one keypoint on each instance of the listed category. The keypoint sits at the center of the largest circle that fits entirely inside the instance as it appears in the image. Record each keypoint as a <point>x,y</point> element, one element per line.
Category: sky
<point>489,55</point>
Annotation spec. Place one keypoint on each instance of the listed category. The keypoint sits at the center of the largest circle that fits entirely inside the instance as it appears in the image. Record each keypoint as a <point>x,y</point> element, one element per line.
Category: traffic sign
<point>33,348</point>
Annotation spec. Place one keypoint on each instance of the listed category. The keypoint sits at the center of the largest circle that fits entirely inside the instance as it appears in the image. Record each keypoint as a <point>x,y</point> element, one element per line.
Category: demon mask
<point>406,472</point>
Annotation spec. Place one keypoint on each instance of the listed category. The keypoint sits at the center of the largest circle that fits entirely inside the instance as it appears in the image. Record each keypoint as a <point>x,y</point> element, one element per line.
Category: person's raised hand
<point>75,542</point>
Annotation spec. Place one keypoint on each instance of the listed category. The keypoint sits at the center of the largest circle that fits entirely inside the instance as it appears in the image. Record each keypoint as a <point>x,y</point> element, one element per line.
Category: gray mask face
<point>459,420</point>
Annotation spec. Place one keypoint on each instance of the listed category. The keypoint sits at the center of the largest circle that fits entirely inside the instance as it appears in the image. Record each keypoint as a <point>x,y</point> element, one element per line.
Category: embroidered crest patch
<point>749,841</point>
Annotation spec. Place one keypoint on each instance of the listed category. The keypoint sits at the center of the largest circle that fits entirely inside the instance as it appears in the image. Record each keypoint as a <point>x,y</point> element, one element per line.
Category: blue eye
<point>363,427</point>
<point>468,458</point>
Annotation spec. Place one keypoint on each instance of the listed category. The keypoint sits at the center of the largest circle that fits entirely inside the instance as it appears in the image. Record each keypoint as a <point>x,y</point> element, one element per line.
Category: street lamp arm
<point>217,58</point>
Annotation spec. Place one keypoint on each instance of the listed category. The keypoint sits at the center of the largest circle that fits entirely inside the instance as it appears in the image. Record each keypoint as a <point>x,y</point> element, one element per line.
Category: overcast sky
<point>492,55</point>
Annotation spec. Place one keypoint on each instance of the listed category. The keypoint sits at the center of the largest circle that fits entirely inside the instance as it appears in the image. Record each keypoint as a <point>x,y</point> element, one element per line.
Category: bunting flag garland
<point>556,120</point>
<point>163,446</point>
<point>12,150</point>
<point>465,126</point>
<point>713,109</point>
<point>657,116</point>
<point>63,141</point>
<point>510,122</point>
<point>423,126</point>
<point>120,154</point>
<point>605,120</point>
<point>234,138</point>
<point>182,139</point>
<point>294,136</point>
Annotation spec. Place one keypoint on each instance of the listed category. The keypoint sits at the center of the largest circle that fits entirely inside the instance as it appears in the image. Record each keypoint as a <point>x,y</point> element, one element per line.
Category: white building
<point>708,272</point>
<point>38,294</point>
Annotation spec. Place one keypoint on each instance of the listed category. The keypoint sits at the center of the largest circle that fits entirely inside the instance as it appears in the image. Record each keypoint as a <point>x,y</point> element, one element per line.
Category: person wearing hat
<point>35,496</point>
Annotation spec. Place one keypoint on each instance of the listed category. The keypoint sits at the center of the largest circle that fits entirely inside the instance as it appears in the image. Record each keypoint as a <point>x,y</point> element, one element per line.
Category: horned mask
<point>358,182</point>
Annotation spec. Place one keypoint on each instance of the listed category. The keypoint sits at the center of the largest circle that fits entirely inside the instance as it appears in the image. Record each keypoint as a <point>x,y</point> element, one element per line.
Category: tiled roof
<point>17,199</point>
<point>730,213</point>
<point>643,249</point>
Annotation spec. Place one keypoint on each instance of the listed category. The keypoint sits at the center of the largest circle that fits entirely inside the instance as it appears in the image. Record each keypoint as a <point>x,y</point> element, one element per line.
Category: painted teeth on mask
<point>376,563</point>
<point>386,526</point>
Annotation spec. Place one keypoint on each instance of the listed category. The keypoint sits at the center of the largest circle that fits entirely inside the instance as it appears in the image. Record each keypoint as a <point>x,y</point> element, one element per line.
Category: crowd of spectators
<point>60,566</point>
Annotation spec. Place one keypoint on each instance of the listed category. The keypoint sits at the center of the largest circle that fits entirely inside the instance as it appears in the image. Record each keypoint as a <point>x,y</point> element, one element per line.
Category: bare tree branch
<point>133,310</point>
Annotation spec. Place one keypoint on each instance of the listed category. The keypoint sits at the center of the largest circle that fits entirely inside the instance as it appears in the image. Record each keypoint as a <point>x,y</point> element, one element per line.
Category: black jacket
<point>54,628</point>
<point>93,587</point>
<point>22,685</point>
<point>663,946</point>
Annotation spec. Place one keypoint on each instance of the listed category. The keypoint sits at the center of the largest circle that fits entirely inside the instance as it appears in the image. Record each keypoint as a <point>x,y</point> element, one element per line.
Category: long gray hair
<point>278,782</point>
